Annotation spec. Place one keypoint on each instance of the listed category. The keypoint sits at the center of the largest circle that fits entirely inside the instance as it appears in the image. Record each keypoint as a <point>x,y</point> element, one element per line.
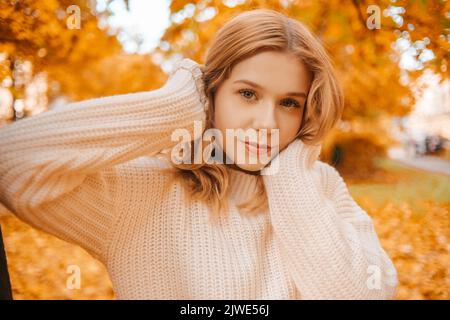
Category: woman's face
<point>267,91</point>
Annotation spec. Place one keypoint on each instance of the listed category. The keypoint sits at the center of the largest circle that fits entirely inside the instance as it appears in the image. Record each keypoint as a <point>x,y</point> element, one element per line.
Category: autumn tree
<point>362,38</point>
<point>58,37</point>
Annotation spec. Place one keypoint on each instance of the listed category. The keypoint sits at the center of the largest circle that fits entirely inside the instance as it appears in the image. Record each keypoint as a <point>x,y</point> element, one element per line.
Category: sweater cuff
<point>196,71</point>
<point>296,155</point>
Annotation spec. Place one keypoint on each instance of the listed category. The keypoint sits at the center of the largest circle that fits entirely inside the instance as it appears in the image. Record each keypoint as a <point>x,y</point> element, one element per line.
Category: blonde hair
<point>243,36</point>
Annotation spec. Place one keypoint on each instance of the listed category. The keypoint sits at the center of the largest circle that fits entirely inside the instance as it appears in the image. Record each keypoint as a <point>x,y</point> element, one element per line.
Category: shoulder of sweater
<point>330,179</point>
<point>324,168</point>
<point>336,189</point>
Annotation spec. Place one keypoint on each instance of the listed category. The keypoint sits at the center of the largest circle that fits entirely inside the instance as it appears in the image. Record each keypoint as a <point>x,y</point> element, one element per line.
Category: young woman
<point>97,173</point>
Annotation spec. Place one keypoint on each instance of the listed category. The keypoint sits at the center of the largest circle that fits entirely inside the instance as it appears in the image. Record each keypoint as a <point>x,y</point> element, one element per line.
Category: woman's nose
<point>264,117</point>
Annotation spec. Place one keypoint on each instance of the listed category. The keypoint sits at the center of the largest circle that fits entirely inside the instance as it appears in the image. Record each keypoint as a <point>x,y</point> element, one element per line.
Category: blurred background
<point>392,146</point>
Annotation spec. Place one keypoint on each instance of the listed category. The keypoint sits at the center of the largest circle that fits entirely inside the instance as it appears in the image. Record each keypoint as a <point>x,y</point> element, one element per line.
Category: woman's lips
<point>255,147</point>
<point>258,146</point>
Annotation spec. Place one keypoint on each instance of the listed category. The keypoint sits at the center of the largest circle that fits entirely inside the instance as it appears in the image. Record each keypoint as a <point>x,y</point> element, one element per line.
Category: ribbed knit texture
<point>90,173</point>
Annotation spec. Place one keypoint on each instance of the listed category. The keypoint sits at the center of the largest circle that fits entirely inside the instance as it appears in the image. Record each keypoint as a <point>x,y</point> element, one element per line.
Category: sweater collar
<point>243,184</point>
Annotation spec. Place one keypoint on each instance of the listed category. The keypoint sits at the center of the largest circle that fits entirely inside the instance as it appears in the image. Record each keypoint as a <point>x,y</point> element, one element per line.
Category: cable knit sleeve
<point>57,168</point>
<point>329,242</point>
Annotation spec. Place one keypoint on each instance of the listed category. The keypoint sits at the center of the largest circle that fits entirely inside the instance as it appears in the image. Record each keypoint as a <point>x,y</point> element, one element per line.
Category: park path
<point>428,163</point>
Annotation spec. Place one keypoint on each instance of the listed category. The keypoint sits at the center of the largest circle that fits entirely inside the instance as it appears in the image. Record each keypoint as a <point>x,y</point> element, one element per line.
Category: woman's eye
<point>292,103</point>
<point>247,94</point>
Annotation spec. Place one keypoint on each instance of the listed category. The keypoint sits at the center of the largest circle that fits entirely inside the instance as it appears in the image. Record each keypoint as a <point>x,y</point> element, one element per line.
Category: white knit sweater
<point>89,173</point>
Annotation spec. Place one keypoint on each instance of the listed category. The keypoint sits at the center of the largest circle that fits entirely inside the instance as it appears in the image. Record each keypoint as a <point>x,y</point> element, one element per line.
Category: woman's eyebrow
<point>298,94</point>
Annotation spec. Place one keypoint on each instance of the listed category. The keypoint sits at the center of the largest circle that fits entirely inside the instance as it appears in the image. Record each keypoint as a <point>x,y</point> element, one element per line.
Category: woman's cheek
<point>234,103</point>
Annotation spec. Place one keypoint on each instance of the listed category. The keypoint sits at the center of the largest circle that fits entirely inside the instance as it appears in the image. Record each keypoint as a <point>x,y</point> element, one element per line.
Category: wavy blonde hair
<point>243,36</point>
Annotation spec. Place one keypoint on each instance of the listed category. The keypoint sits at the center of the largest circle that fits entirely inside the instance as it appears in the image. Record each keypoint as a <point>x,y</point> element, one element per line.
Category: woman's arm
<point>57,168</point>
<point>329,242</point>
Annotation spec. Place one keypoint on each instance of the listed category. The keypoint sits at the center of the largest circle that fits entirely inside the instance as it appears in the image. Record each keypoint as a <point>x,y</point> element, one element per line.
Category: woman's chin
<point>251,167</point>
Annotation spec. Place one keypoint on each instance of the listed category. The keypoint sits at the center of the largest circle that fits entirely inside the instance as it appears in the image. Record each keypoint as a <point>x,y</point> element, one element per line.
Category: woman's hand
<point>196,71</point>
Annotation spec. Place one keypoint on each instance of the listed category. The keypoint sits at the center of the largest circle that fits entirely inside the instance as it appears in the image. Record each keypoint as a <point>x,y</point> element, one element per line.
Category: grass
<point>410,185</point>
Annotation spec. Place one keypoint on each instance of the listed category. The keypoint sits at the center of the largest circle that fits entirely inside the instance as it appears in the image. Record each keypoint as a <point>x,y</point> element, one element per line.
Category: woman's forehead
<point>272,71</point>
